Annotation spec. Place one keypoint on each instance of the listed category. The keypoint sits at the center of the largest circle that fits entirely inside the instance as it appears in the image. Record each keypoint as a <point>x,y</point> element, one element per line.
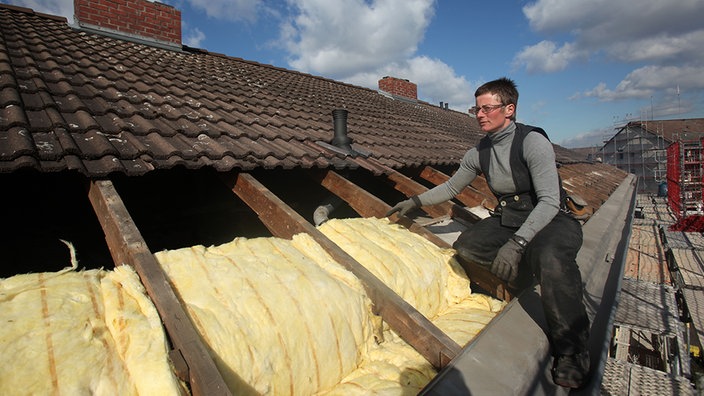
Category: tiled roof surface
<point>71,100</point>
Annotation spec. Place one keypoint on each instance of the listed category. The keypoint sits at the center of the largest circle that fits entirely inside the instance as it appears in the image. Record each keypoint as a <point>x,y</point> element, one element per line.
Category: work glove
<point>405,206</point>
<point>505,265</point>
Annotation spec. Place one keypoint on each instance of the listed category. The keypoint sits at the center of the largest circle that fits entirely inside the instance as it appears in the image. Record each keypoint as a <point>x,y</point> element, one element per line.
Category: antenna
<point>652,116</point>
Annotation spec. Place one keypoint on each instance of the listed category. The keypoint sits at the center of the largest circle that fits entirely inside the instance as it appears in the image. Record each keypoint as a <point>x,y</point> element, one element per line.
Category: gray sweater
<point>540,157</point>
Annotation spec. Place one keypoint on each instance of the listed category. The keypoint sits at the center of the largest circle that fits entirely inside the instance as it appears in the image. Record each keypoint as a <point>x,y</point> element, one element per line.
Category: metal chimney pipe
<point>340,138</point>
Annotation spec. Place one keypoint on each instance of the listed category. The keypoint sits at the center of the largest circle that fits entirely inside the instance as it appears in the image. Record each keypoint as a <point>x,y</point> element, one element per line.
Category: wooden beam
<point>410,187</point>
<point>368,205</point>
<point>128,247</point>
<point>469,196</point>
<point>410,324</point>
<point>488,282</point>
<point>359,199</point>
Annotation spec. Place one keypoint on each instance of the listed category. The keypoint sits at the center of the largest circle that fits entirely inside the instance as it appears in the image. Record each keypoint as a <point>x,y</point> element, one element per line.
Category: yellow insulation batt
<point>282,318</point>
<point>278,321</point>
<point>279,317</point>
<point>90,332</point>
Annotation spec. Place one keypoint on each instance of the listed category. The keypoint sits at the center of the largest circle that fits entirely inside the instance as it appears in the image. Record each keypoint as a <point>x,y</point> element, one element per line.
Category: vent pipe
<point>340,139</point>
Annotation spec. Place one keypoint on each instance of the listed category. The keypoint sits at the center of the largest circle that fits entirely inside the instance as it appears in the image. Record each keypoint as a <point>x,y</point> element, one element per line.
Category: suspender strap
<point>519,167</point>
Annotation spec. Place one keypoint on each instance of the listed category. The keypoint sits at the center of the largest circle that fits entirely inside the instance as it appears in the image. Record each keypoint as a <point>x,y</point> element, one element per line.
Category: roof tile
<point>16,143</point>
<point>66,139</point>
<point>11,116</point>
<point>96,104</point>
<point>9,96</point>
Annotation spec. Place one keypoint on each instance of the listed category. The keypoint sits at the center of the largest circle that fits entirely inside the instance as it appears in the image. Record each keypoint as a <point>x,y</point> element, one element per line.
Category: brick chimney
<point>399,87</point>
<point>138,19</point>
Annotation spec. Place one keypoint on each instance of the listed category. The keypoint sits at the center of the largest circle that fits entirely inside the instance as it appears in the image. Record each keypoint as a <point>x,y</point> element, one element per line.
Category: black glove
<point>505,265</point>
<point>405,206</point>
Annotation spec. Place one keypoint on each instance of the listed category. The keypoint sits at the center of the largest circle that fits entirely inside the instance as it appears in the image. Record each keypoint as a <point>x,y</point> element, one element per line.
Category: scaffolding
<point>639,148</point>
<point>685,185</point>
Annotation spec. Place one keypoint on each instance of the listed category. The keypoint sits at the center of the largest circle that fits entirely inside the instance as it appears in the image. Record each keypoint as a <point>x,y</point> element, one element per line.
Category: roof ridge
<point>32,12</point>
<point>270,66</point>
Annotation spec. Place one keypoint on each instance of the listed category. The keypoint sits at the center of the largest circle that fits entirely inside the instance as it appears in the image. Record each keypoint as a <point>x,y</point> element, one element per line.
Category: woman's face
<point>493,116</point>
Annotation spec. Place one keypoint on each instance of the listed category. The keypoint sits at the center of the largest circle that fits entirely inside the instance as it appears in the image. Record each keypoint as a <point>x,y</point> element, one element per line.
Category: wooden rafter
<point>368,205</point>
<point>410,187</point>
<point>470,196</point>
<point>410,324</point>
<point>128,247</point>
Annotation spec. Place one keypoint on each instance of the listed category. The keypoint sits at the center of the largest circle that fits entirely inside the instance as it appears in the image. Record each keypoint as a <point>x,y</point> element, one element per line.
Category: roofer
<point>530,233</point>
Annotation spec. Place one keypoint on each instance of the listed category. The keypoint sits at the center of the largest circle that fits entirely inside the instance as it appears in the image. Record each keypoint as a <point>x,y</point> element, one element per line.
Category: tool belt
<point>514,209</point>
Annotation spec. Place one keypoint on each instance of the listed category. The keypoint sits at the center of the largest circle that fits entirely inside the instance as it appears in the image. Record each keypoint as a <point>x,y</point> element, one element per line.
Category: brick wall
<point>397,86</point>
<point>141,18</point>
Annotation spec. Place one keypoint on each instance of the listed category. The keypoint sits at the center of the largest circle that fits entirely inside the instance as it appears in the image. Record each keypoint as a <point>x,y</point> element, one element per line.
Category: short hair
<point>504,88</point>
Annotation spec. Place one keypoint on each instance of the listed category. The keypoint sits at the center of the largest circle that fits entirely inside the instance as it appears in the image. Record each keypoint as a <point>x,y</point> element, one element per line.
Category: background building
<point>640,147</point>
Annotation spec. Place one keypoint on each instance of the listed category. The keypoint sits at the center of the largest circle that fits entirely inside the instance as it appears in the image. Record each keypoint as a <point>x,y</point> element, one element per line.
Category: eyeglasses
<point>486,109</point>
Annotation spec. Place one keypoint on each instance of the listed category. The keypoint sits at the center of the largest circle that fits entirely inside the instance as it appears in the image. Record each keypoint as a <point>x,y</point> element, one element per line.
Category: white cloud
<point>661,39</point>
<point>340,38</point>
<point>626,89</point>
<point>660,48</point>
<point>546,57</point>
<point>193,37</point>
<point>600,22</point>
<point>437,82</point>
<point>593,138</point>
<point>230,10</point>
<point>63,8</point>
<point>360,42</point>
<point>643,82</point>
<point>648,30</point>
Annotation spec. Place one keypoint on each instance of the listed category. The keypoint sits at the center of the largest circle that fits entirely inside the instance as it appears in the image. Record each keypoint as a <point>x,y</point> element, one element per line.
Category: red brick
<point>150,20</point>
<point>399,87</point>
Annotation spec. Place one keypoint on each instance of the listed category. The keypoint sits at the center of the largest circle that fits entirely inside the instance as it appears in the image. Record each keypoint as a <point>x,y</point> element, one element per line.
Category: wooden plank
<point>469,196</point>
<point>487,282</point>
<point>623,343</point>
<point>368,205</point>
<point>410,187</point>
<point>410,324</point>
<point>128,247</point>
<point>359,199</point>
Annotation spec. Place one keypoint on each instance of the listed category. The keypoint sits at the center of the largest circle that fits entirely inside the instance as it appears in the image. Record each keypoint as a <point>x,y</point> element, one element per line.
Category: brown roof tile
<point>71,100</point>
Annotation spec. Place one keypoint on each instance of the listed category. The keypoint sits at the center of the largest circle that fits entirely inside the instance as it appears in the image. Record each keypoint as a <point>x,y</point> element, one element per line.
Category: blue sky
<point>582,67</point>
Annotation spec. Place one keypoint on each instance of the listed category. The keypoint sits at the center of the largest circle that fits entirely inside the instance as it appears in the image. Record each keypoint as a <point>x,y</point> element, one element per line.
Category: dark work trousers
<point>551,258</point>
